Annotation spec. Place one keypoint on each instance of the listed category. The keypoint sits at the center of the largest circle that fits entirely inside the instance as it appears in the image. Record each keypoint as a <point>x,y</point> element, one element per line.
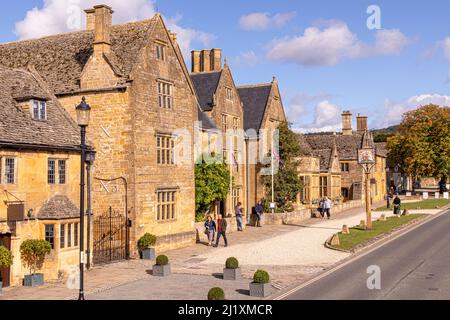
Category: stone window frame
<point>69,235</point>
<point>161,47</point>
<point>62,236</point>
<point>167,204</point>
<point>75,233</point>
<point>224,123</point>
<point>49,234</point>
<point>164,152</point>
<point>345,165</point>
<point>5,177</point>
<point>236,196</point>
<point>36,113</point>
<point>165,99</point>
<point>323,186</point>
<point>229,94</point>
<point>58,174</point>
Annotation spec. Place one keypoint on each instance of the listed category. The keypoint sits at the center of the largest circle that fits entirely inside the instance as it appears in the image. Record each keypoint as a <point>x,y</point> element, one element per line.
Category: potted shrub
<point>216,294</point>
<point>6,260</point>
<point>260,287</point>
<point>162,266</point>
<point>146,246</point>
<point>232,271</point>
<point>32,253</point>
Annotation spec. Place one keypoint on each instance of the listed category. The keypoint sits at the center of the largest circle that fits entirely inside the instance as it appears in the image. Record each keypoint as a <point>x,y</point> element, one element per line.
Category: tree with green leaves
<point>33,252</point>
<point>212,183</point>
<point>287,183</point>
<point>421,147</point>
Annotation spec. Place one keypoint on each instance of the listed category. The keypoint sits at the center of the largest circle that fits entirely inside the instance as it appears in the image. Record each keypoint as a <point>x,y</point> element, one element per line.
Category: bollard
<point>345,229</point>
<point>335,240</point>
<point>382,217</point>
<point>362,224</point>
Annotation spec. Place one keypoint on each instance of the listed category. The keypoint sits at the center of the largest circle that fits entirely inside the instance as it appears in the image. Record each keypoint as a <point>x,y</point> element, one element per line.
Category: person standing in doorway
<point>221,230</point>
<point>238,213</point>
<point>259,212</point>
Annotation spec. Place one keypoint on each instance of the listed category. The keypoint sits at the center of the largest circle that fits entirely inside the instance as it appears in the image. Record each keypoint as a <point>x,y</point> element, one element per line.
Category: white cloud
<point>248,58</point>
<point>332,42</point>
<point>264,20</point>
<point>59,16</point>
<point>187,36</point>
<point>327,117</point>
<point>393,110</point>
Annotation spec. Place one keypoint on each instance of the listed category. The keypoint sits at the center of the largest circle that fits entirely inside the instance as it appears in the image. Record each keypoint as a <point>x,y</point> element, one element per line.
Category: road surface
<point>414,266</point>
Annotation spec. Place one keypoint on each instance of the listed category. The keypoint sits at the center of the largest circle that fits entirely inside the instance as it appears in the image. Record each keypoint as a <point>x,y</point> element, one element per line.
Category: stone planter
<point>260,289</point>
<point>149,254</point>
<point>232,274</point>
<point>161,271</point>
<point>34,280</point>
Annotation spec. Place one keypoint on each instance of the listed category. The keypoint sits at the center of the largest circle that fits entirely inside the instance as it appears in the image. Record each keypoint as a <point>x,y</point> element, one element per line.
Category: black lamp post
<point>83,114</point>
<point>90,158</point>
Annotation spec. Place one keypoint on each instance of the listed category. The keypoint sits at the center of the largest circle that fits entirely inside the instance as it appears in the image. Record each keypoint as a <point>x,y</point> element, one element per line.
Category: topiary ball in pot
<point>261,276</point>
<point>216,294</point>
<point>146,241</point>
<point>232,263</point>
<point>162,260</point>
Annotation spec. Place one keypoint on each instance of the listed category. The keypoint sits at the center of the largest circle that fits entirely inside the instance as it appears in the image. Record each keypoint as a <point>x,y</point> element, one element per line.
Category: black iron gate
<point>110,237</point>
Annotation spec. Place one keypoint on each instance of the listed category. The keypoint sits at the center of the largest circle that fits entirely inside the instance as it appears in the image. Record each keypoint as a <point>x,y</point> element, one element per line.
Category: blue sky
<point>323,54</point>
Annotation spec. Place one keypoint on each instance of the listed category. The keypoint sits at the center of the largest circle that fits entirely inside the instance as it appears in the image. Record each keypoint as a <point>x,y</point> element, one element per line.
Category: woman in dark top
<point>210,229</point>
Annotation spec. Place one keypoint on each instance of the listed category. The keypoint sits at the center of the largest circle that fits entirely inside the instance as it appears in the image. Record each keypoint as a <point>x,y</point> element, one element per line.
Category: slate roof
<point>255,100</point>
<point>205,84</point>
<point>324,156</point>
<point>60,59</point>
<point>206,122</point>
<point>17,125</point>
<point>59,207</point>
<point>347,145</point>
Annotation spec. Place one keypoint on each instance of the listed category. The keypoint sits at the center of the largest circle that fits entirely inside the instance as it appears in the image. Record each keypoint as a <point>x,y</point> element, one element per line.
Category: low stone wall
<point>346,206</point>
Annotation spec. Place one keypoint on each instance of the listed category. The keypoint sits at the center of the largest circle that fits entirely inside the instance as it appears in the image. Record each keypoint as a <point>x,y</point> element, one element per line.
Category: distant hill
<point>381,135</point>
<point>388,130</point>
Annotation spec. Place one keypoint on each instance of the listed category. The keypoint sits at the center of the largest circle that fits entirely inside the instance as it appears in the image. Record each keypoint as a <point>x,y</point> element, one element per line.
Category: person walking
<point>238,213</point>
<point>210,229</point>
<point>321,208</point>
<point>397,204</point>
<point>259,212</point>
<point>328,204</point>
<point>221,230</point>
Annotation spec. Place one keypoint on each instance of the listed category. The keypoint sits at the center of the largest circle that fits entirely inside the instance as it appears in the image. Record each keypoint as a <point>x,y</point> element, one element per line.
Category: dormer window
<point>39,110</point>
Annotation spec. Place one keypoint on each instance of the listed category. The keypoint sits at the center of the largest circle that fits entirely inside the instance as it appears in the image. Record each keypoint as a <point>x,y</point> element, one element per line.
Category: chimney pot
<point>90,19</point>
<point>361,123</point>
<point>103,22</point>
<point>195,55</point>
<point>347,123</point>
<point>216,59</point>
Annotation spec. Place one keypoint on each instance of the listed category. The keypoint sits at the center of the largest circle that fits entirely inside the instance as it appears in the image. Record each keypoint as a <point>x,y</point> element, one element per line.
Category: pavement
<point>413,266</point>
<point>290,253</point>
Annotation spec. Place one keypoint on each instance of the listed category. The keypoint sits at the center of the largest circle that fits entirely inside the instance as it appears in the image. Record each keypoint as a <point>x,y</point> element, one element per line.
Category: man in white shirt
<point>328,205</point>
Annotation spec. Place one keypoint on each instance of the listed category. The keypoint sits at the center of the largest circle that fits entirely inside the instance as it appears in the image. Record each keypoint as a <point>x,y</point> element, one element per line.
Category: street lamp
<point>90,158</point>
<point>83,115</point>
<point>366,158</point>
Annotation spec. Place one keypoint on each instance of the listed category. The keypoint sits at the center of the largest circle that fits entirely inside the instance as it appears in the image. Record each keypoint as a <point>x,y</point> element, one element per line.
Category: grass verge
<point>360,236</point>
<point>424,204</point>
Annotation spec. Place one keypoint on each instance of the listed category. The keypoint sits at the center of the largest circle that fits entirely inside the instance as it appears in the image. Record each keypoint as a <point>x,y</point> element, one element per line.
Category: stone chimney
<point>195,55</point>
<point>347,123</point>
<point>103,22</point>
<point>216,59</point>
<point>90,19</point>
<point>206,60</point>
<point>361,123</point>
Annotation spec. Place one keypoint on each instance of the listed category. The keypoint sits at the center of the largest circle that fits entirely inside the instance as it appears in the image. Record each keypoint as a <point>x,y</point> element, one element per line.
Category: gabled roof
<point>206,122</point>
<point>60,59</point>
<point>255,100</point>
<point>17,126</point>
<point>59,207</point>
<point>205,84</point>
<point>347,145</point>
